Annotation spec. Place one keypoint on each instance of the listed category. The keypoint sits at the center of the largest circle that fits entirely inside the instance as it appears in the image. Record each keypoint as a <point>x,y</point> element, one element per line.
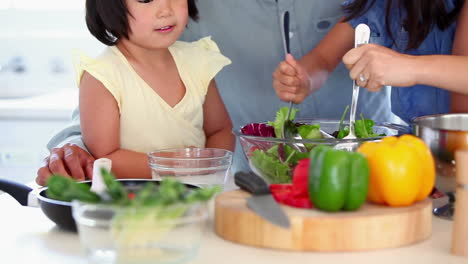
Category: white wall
<point>36,103</point>
<point>43,40</point>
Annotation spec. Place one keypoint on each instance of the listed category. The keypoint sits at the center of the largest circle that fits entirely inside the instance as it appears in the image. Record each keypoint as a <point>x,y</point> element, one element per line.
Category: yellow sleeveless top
<point>147,122</point>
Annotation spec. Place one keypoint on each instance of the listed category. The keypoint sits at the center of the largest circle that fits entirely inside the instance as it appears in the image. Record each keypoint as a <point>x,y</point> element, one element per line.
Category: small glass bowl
<point>197,166</point>
<point>113,234</point>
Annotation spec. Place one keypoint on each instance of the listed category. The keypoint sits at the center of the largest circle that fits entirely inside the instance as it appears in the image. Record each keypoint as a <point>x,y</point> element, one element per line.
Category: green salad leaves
<point>363,128</point>
<point>276,163</point>
<point>166,193</point>
<point>138,222</point>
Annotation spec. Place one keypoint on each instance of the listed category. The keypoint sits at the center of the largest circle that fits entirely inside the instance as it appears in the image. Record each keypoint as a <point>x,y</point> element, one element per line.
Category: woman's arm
<point>460,47</point>
<point>216,121</point>
<point>444,71</point>
<point>295,80</point>
<point>382,66</point>
<point>100,123</point>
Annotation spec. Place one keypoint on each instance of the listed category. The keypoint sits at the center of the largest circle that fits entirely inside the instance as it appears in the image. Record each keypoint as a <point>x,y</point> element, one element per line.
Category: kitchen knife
<point>261,202</point>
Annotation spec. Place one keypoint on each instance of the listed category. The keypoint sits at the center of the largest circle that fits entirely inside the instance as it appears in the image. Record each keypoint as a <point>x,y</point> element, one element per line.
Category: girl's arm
<point>295,80</point>
<point>100,124</point>
<point>216,121</point>
<point>460,47</point>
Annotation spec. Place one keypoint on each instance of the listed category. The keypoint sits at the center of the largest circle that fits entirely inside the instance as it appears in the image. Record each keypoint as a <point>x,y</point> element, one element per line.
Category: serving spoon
<point>361,37</point>
<point>289,130</point>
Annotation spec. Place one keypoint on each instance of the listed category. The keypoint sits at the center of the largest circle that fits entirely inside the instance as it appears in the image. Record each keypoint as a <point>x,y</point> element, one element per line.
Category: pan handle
<point>17,190</point>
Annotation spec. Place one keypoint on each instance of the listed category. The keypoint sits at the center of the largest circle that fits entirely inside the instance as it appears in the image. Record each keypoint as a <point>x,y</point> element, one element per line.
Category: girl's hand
<point>374,66</point>
<point>291,81</point>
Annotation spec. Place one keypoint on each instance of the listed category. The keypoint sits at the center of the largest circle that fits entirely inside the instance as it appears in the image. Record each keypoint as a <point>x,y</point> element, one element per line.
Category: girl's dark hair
<point>107,19</point>
<point>421,16</point>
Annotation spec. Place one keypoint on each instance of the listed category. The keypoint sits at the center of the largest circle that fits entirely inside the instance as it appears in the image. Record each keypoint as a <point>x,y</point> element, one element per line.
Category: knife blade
<point>261,202</point>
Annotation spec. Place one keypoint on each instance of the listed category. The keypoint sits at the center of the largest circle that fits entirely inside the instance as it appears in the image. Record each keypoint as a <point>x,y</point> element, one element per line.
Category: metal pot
<point>444,134</point>
<point>59,212</point>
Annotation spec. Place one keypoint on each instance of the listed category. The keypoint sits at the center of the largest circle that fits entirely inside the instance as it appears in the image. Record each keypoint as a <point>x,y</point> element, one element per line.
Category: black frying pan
<point>58,211</point>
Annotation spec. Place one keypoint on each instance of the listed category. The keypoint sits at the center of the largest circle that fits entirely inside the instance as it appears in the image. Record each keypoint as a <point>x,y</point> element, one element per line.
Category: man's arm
<point>70,134</point>
<point>295,80</point>
<point>68,154</point>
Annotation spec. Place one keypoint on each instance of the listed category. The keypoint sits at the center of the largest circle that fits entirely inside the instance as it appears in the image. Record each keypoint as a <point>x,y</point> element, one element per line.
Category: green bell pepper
<point>337,179</point>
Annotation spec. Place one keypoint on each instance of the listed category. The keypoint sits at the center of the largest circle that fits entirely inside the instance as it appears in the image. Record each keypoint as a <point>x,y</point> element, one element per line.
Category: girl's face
<point>156,23</point>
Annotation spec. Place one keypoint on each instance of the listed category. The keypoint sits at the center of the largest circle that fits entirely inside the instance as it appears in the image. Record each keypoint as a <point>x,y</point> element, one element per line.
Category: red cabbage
<point>259,130</point>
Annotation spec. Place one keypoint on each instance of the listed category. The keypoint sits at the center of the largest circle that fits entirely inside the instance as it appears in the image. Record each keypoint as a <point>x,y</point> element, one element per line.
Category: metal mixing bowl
<point>444,134</point>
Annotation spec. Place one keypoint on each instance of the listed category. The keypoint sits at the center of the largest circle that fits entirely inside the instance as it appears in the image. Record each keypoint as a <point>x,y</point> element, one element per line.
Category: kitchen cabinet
<point>26,125</point>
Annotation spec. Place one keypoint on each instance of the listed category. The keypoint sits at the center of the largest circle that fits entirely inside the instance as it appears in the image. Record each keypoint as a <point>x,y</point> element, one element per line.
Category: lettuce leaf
<point>309,131</point>
<point>281,118</point>
<point>293,157</point>
<point>270,167</point>
<point>275,164</point>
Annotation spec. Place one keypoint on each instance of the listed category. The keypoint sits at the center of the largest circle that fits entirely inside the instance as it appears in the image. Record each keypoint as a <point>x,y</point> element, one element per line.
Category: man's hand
<point>291,81</point>
<point>69,160</point>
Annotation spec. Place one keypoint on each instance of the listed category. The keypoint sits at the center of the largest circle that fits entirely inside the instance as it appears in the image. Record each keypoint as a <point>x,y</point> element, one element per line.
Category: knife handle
<point>251,183</point>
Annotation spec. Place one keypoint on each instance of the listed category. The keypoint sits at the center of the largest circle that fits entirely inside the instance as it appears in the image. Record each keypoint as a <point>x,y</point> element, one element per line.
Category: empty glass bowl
<point>273,169</point>
<point>113,234</point>
<point>198,166</point>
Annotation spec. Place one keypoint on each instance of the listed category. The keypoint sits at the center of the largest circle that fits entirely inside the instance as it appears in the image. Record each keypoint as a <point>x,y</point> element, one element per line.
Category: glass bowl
<point>197,166</point>
<point>113,234</point>
<point>273,172</point>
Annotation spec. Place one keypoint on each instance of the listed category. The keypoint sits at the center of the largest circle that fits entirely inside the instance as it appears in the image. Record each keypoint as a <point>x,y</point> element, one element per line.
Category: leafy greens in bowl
<point>161,221</point>
<point>270,157</point>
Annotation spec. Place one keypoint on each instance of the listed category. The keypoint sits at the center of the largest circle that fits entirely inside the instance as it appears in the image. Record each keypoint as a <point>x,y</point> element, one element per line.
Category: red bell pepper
<point>295,194</point>
<point>300,178</point>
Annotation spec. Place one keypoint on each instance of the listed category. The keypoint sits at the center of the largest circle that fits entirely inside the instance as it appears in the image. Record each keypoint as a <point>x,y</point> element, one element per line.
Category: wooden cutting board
<point>371,227</point>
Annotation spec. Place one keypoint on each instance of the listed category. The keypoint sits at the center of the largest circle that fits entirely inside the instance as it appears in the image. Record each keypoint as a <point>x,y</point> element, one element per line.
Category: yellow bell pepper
<point>402,170</point>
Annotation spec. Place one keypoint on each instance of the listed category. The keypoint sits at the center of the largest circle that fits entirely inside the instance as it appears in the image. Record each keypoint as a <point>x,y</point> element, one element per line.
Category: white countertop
<point>58,104</point>
<point>28,236</point>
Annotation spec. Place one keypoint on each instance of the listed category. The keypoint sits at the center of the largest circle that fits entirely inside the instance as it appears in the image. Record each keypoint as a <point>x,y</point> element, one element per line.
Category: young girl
<point>416,27</point>
<point>148,91</point>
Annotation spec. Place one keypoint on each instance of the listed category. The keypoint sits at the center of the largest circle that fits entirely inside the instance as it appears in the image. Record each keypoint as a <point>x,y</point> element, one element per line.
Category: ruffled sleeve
<point>202,60</point>
<point>99,69</point>
<point>214,61</point>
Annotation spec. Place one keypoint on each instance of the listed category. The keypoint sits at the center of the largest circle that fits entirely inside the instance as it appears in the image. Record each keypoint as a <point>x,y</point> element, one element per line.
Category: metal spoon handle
<point>287,49</point>
<point>285,24</point>
<point>361,36</point>
<point>288,115</point>
<point>352,113</point>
